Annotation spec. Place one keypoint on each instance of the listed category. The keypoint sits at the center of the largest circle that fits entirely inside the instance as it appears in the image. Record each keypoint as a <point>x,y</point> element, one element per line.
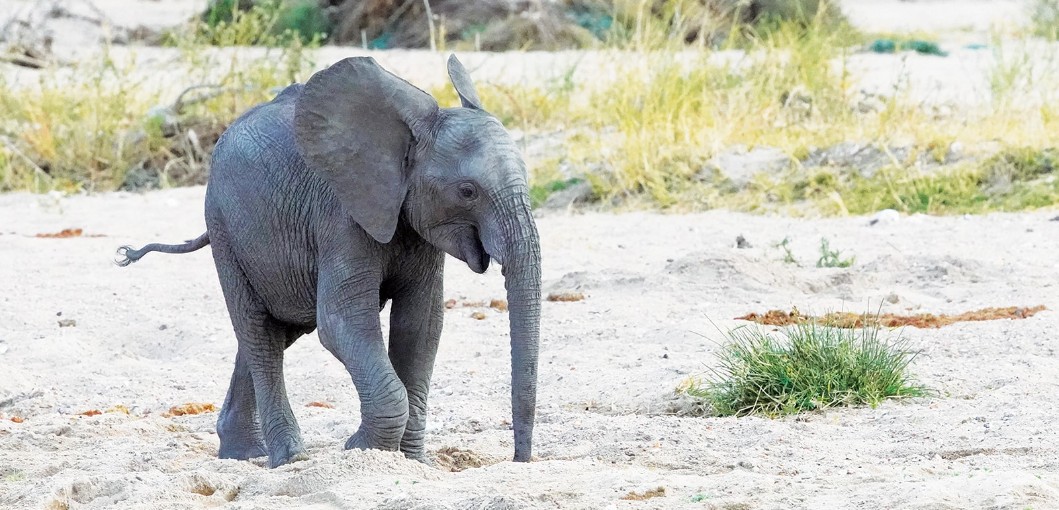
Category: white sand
<point>609,365</point>
<point>157,335</point>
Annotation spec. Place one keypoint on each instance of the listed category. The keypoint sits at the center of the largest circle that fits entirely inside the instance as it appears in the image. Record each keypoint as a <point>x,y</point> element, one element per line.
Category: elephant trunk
<point>522,279</point>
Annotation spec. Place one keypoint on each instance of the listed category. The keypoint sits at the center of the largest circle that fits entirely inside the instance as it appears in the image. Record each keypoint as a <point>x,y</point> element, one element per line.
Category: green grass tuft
<point>811,367</point>
<point>832,258</point>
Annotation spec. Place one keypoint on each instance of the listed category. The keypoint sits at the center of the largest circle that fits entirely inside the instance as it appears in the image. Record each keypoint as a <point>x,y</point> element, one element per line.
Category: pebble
<point>884,217</point>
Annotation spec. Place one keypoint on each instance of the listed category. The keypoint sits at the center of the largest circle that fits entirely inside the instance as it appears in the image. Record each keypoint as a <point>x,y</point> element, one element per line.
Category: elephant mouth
<point>474,253</point>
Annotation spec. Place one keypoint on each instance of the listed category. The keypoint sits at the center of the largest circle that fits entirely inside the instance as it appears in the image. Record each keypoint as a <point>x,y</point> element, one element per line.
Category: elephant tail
<point>127,255</point>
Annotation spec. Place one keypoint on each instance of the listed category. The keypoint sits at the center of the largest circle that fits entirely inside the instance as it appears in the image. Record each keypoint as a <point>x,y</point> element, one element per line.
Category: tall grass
<point>643,137</point>
<point>87,128</point>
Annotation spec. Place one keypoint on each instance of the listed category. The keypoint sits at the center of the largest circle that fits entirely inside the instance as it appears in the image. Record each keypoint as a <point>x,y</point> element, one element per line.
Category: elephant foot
<point>242,450</point>
<point>285,453</point>
<point>365,441</point>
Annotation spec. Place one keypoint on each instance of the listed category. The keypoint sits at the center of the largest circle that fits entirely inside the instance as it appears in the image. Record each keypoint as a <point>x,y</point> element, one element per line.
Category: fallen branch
<point>24,61</point>
<point>180,102</point>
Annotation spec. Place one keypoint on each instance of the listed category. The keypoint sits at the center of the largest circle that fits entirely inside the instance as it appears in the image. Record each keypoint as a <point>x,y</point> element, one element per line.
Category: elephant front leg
<point>416,317</point>
<point>348,322</point>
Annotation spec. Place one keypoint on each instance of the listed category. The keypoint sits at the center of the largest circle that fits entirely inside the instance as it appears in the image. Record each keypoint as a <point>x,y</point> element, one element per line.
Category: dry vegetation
<point>889,320</point>
<point>647,137</point>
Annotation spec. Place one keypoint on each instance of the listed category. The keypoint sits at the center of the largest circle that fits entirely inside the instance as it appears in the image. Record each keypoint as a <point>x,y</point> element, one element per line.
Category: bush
<point>262,23</point>
<point>813,366</point>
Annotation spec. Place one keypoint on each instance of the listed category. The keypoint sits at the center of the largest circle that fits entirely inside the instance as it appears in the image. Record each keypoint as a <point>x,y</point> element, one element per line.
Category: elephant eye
<point>468,191</point>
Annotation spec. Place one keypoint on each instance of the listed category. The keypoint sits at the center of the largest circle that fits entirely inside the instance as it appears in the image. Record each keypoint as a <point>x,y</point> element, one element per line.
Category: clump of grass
<point>832,258</point>
<point>807,367</point>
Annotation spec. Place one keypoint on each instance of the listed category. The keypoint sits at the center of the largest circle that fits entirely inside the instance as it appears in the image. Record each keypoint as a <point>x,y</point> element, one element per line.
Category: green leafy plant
<point>788,255</point>
<point>832,258</point>
<point>805,367</point>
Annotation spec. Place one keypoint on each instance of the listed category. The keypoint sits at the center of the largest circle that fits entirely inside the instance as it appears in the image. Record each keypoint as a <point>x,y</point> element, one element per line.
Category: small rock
<point>665,356</point>
<point>578,193</point>
<point>892,298</point>
<point>741,242</point>
<point>739,165</point>
<point>885,217</point>
<point>163,327</point>
<point>864,159</point>
<point>67,323</point>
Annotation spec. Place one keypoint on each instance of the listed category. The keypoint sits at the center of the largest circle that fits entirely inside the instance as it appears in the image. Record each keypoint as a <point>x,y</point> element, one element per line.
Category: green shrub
<point>264,23</point>
<point>810,366</point>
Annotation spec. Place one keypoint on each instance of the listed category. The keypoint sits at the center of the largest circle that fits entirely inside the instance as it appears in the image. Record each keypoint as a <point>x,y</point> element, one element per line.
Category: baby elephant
<point>340,195</point>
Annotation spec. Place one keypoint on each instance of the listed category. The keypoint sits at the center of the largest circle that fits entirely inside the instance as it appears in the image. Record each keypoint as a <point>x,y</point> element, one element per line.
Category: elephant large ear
<point>461,80</point>
<point>355,124</point>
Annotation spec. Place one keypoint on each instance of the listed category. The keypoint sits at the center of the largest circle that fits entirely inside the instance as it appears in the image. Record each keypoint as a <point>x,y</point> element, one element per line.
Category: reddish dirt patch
<point>91,412</point>
<point>63,234</point>
<point>189,409</point>
<point>17,419</point>
<point>498,304</point>
<point>325,405</point>
<point>922,320</point>
<point>66,233</point>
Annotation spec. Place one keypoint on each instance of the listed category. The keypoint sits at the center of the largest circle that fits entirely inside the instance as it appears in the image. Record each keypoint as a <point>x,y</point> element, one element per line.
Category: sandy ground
<point>156,335</point>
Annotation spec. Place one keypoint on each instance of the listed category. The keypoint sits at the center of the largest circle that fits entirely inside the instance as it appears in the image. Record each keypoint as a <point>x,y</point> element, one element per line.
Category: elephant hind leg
<point>262,340</point>
<point>238,425</point>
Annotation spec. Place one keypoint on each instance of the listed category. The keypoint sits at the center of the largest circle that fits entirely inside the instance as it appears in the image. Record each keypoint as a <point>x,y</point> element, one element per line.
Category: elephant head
<point>454,174</point>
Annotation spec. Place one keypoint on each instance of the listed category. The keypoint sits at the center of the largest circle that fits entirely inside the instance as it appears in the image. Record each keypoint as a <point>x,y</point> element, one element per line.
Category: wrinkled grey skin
<point>337,196</point>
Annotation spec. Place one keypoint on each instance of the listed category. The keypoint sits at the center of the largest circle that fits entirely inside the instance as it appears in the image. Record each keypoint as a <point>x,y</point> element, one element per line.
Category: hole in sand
<point>889,320</point>
<point>203,488</point>
<point>455,459</point>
